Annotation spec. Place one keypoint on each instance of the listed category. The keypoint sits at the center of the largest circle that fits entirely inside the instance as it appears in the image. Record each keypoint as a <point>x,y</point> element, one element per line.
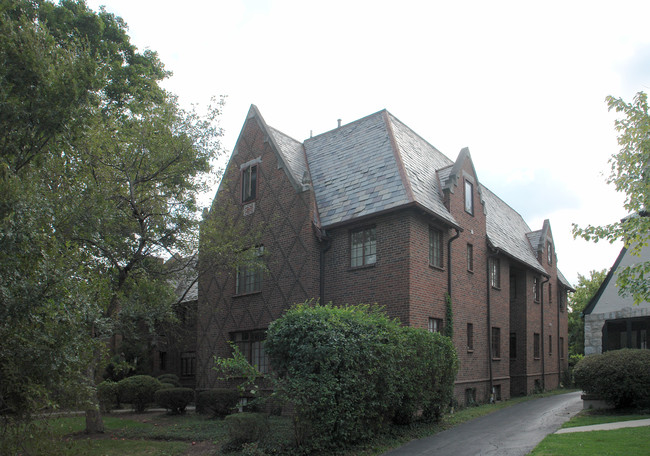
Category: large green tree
<point>585,290</point>
<point>100,172</point>
<point>630,174</point>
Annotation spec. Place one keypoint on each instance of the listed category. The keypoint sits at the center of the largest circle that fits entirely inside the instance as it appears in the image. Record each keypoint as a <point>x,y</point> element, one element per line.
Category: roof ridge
<point>347,124</point>
<point>406,182</point>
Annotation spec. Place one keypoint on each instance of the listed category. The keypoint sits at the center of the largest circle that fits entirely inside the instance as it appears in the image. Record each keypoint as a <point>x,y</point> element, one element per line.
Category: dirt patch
<point>202,449</point>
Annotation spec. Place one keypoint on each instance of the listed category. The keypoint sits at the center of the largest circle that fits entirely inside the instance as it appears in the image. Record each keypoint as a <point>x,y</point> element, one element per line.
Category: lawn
<point>624,442</point>
<point>156,433</point>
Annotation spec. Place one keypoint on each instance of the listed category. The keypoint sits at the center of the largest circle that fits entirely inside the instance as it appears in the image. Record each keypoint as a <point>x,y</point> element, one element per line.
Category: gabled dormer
<point>543,245</point>
<point>461,181</point>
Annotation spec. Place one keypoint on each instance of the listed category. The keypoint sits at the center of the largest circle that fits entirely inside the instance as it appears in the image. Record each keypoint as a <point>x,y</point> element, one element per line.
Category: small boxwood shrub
<point>217,402</point>
<point>246,427</point>
<point>138,391</point>
<point>107,393</point>
<point>174,399</point>
<point>620,377</point>
<point>170,378</point>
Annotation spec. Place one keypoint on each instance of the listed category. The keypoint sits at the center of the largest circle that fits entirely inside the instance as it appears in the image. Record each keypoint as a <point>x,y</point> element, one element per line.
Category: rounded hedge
<point>107,393</point>
<point>348,371</point>
<point>620,377</point>
<point>174,399</point>
<point>170,378</point>
<point>138,391</point>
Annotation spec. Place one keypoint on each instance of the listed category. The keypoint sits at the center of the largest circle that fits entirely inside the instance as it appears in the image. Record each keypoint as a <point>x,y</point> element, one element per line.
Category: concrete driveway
<point>513,431</point>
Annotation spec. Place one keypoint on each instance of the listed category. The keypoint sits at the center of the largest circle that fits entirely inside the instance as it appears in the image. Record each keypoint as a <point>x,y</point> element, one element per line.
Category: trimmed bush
<point>170,378</point>
<point>620,377</point>
<point>107,392</point>
<point>174,399</point>
<point>138,391</point>
<point>246,427</point>
<point>166,385</point>
<point>349,371</point>
<point>218,402</point>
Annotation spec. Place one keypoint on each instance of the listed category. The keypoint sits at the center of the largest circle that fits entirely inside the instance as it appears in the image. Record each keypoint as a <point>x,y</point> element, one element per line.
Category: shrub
<point>217,402</point>
<point>620,377</point>
<point>349,370</point>
<point>246,427</point>
<point>174,399</point>
<point>107,393</point>
<point>165,385</point>
<point>170,378</point>
<point>139,391</point>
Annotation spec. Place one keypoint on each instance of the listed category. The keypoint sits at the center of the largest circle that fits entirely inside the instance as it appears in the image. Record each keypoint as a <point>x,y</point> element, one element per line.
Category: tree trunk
<point>94,421</point>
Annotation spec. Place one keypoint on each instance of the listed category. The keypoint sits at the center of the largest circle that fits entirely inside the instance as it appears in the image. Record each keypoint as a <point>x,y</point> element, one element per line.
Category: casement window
<point>249,184</point>
<point>550,293</point>
<point>470,337</point>
<point>496,342</point>
<point>513,345</point>
<point>536,346</point>
<point>550,344</point>
<point>536,289</point>
<point>435,247</point>
<point>470,257</point>
<point>469,197</point>
<point>251,346</point>
<point>363,247</point>
<point>561,347</point>
<point>249,277</point>
<point>435,325</point>
<point>561,299</point>
<point>549,253</point>
<point>188,364</point>
<point>495,272</point>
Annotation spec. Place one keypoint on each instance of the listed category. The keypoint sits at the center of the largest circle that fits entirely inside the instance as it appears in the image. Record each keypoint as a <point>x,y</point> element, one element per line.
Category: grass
<point>161,434</point>
<point>624,442</point>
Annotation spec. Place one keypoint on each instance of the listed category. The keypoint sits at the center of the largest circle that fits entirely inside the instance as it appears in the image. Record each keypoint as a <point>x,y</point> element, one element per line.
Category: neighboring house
<point>370,212</point>
<point>174,351</point>
<point>613,321</point>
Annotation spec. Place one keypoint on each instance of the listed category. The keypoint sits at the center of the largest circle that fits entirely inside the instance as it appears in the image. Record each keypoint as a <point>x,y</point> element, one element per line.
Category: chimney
<point>339,121</point>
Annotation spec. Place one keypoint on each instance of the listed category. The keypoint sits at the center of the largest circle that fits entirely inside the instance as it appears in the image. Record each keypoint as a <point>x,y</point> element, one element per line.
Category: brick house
<point>370,212</point>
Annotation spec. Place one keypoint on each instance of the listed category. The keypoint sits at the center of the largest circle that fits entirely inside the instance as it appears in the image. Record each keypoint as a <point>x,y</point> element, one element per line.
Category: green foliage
<point>585,290</point>
<point>174,399</point>
<point>621,377</point>
<point>118,368</point>
<point>630,175</point>
<point>246,427</point>
<point>108,395</point>
<point>170,378</point>
<point>138,391</point>
<point>349,370</point>
<point>218,402</point>
<point>237,367</point>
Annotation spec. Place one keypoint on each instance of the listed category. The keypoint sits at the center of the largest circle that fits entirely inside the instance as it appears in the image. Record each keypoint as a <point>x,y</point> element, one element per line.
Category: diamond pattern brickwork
<point>291,253</point>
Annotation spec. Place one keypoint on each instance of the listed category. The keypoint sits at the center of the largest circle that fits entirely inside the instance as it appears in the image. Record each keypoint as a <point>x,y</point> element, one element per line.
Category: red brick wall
<point>291,254</point>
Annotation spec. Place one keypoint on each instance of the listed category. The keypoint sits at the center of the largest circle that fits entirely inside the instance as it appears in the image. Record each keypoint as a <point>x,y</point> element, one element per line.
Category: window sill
<point>471,271</point>
<point>470,350</point>
<point>496,288</point>
<point>437,268</point>
<point>241,295</point>
<point>496,359</point>
<point>365,266</point>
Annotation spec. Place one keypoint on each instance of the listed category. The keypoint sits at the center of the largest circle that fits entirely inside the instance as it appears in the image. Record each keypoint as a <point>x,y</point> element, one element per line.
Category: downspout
<point>451,239</point>
<point>543,354</point>
<point>559,361</point>
<point>489,326</point>
<point>325,244</point>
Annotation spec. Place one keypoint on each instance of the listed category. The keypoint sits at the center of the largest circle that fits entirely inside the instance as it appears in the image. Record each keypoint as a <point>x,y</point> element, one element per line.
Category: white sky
<point>522,84</point>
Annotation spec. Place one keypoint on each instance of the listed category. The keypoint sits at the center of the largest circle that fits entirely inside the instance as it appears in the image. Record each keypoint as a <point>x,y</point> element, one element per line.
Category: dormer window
<point>249,184</point>
<point>469,197</point>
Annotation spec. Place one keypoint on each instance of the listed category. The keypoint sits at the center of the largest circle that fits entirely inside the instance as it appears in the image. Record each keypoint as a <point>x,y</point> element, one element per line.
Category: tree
<point>586,289</point>
<point>100,173</point>
<point>630,174</point>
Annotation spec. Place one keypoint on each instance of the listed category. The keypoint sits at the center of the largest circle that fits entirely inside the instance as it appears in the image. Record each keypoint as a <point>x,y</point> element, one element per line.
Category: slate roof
<point>508,232</point>
<point>376,164</point>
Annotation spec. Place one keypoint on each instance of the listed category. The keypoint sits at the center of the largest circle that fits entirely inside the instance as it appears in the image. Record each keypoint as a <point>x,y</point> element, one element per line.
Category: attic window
<point>469,197</point>
<point>249,184</point>
<point>549,253</point>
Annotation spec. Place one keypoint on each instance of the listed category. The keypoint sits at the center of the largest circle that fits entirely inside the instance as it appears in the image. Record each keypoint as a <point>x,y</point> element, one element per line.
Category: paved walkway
<point>606,426</point>
<point>513,431</point>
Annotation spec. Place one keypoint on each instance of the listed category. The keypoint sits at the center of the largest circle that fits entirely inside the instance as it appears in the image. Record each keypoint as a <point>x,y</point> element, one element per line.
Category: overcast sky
<point>522,84</point>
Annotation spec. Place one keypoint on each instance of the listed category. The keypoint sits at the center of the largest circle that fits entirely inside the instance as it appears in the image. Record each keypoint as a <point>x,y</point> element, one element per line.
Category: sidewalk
<point>606,426</point>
